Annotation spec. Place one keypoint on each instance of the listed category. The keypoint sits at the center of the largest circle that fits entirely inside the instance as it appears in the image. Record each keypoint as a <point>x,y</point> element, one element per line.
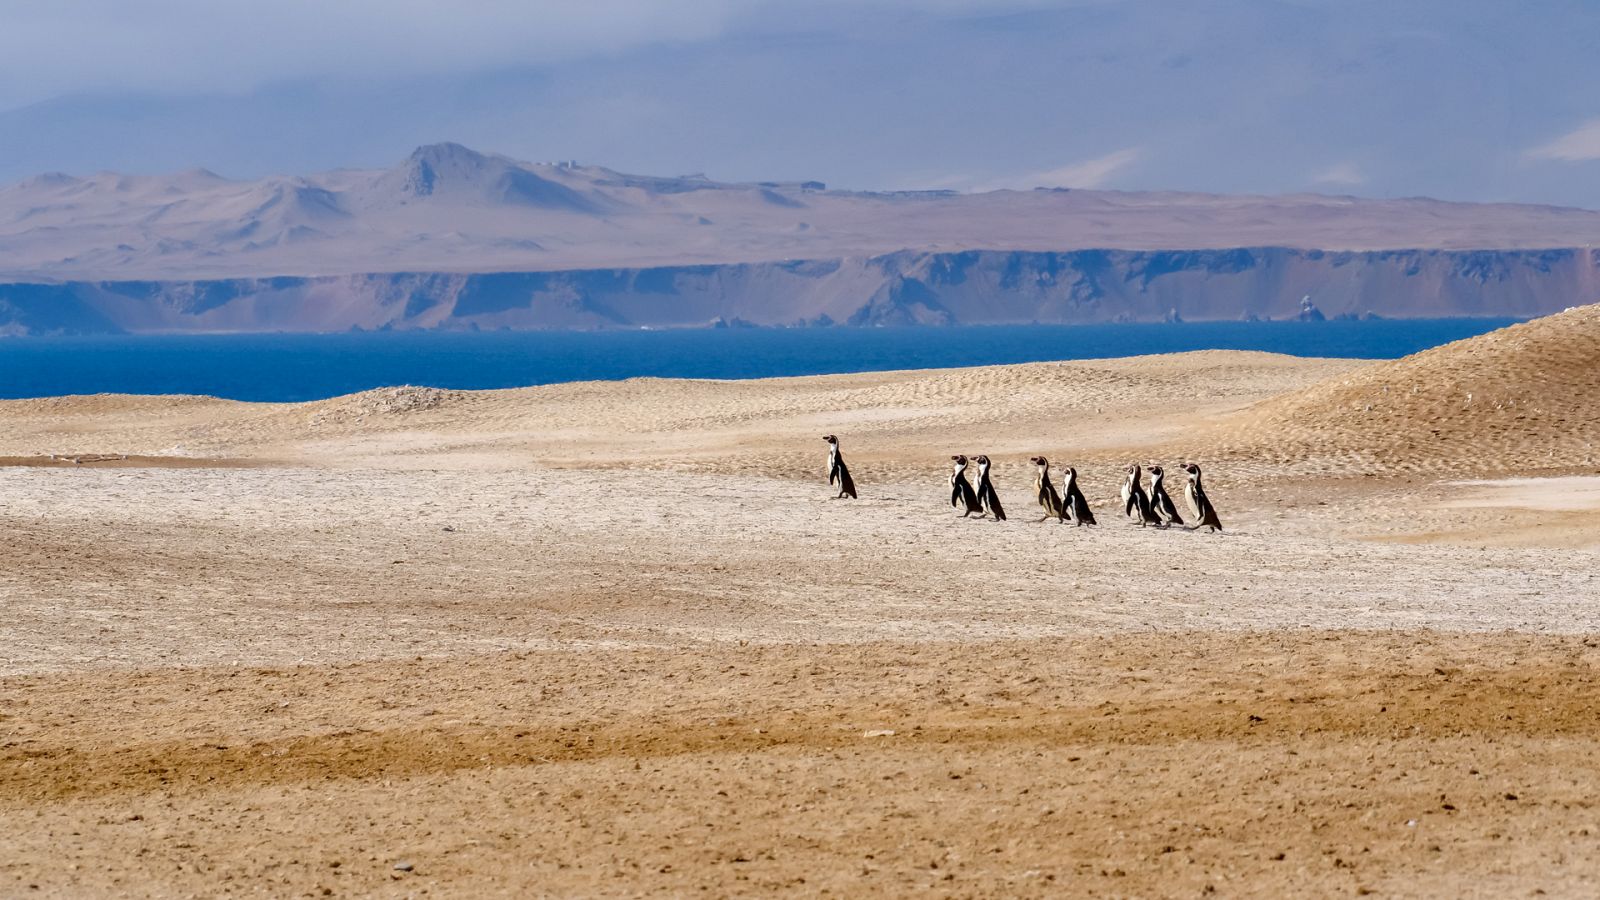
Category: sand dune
<point>607,639</point>
<point>1521,399</point>
<point>1093,409</point>
<point>1518,400</point>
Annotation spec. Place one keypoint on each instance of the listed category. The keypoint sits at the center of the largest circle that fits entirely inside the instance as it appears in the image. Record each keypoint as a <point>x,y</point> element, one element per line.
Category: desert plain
<point>616,639</point>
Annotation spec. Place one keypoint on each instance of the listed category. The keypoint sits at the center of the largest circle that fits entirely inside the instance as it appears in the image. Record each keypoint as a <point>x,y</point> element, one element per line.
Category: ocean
<point>295,367</point>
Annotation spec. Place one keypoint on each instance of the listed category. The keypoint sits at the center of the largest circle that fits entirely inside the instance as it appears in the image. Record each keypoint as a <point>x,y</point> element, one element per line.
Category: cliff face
<point>453,238</point>
<point>448,208</point>
<point>905,288</point>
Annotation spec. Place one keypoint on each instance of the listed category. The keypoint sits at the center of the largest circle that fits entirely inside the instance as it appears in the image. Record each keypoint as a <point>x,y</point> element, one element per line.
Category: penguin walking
<point>987,498</point>
<point>1077,506</point>
<point>1135,502</point>
<point>1199,502</point>
<point>961,493</point>
<point>1161,501</point>
<point>837,470</point>
<point>1045,490</point>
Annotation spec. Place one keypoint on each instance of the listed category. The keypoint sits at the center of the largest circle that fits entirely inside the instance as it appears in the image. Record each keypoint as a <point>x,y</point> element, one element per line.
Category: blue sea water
<point>285,367</point>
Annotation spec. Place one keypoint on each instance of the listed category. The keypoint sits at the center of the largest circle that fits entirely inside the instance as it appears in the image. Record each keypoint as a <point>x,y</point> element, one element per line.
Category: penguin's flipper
<point>994,505</point>
<point>1165,509</point>
<point>967,497</point>
<point>1204,512</point>
<point>1084,511</point>
<point>847,485</point>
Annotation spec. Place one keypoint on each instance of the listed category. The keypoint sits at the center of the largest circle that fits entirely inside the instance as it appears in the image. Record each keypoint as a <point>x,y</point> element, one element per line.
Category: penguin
<point>1045,490</point>
<point>1077,506</point>
<point>837,470</point>
<point>1161,501</point>
<point>961,493</point>
<point>1135,502</point>
<point>987,498</point>
<point>1199,502</point>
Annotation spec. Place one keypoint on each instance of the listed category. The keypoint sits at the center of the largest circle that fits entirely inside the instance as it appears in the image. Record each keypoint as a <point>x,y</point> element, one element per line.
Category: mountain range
<point>452,237</point>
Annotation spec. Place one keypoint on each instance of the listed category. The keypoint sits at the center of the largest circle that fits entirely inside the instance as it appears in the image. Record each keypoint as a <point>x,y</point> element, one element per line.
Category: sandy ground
<point>610,640</point>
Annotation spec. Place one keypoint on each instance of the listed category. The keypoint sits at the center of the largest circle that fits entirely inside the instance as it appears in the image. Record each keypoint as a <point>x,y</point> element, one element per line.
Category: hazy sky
<point>1460,99</point>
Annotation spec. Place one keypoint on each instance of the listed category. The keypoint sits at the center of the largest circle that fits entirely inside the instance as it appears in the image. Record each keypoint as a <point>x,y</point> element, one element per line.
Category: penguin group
<point>1152,508</point>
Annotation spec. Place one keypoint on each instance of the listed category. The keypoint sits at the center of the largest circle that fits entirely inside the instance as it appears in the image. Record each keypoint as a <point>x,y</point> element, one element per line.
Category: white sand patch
<point>1568,494</point>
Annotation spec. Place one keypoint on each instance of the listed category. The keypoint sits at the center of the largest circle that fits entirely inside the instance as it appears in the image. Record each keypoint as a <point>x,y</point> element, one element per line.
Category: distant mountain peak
<point>431,164</point>
<point>451,169</point>
<point>445,151</point>
<point>447,165</point>
<point>447,207</point>
<point>48,179</point>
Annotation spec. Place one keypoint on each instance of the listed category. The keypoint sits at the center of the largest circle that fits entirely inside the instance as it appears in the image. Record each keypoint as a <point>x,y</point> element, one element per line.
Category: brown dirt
<point>615,639</point>
<point>123,461</point>
<point>1150,765</point>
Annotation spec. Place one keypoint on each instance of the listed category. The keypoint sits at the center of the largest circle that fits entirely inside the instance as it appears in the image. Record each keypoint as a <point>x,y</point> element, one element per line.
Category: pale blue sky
<point>1459,99</point>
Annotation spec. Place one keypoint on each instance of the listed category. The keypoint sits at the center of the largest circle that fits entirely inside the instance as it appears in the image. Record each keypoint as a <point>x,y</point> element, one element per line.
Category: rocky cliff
<point>905,288</point>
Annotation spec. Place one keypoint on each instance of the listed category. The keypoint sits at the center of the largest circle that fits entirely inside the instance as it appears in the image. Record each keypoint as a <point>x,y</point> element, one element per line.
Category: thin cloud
<point>1345,174</point>
<point>1579,145</point>
<point>53,47</point>
<point>1089,173</point>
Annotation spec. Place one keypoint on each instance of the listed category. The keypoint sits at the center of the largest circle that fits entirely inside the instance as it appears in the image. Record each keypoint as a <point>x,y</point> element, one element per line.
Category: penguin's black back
<point>988,497</point>
<point>1080,504</point>
<point>847,485</point>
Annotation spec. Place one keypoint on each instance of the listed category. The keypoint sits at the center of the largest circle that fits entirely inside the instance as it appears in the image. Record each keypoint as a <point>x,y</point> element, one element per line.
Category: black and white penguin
<point>961,493</point>
<point>1161,501</point>
<point>1135,502</point>
<point>1045,490</point>
<point>987,498</point>
<point>1077,506</point>
<point>1199,502</point>
<point>837,470</point>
